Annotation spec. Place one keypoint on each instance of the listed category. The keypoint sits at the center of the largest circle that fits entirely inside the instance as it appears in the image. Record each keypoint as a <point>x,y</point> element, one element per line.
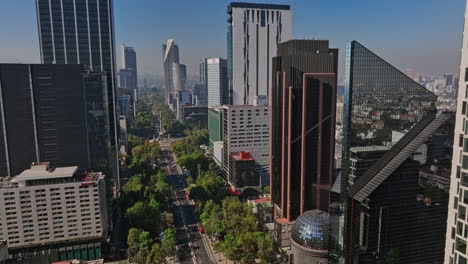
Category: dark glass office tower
<point>81,32</point>
<point>302,126</point>
<point>397,209</point>
<point>55,113</point>
<point>381,104</point>
<point>382,107</point>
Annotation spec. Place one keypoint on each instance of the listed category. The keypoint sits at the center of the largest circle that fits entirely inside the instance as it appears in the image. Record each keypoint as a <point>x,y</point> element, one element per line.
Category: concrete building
<point>195,116</point>
<point>457,222</point>
<point>247,128</point>
<point>218,153</point>
<point>254,32</point>
<point>56,113</point>
<point>45,206</point>
<point>217,82</point>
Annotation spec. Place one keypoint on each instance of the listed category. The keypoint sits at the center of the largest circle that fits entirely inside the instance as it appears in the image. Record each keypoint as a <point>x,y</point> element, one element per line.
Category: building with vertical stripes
<point>254,32</point>
<point>82,32</point>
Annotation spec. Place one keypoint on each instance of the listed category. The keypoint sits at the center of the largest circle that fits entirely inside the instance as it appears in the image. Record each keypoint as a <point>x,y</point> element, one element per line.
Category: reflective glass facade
<point>53,113</point>
<point>380,103</point>
<point>81,32</point>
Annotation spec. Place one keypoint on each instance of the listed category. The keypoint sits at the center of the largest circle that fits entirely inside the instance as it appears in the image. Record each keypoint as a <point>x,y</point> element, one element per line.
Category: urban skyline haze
<point>410,34</point>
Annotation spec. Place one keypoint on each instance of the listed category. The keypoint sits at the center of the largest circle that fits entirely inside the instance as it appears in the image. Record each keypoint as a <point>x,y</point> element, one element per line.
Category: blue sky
<point>421,34</point>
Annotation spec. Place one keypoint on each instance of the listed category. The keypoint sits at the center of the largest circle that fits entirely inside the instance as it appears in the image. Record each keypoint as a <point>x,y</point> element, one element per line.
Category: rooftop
<point>47,173</point>
<point>260,6</point>
<point>370,148</point>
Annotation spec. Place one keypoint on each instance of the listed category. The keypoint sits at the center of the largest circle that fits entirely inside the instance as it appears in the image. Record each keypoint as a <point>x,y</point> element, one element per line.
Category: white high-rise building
<point>217,81</point>
<point>247,128</point>
<point>254,32</point>
<point>457,224</point>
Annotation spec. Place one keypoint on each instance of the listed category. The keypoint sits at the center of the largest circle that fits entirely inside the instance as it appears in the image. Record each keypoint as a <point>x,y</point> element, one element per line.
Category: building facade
<point>170,56</point>
<point>243,170</point>
<point>54,113</point>
<point>215,124</point>
<point>129,63</point>
<point>217,82</point>
<point>45,205</point>
<point>254,32</point>
<point>247,128</point>
<point>302,127</point>
<point>457,224</point>
<point>82,32</point>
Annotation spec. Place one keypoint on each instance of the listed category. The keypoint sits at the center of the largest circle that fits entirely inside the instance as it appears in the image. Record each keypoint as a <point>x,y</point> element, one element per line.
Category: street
<point>190,247</point>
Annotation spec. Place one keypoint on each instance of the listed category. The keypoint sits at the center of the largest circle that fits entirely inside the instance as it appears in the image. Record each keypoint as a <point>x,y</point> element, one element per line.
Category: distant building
<point>63,118</point>
<point>129,64</point>
<point>243,172</point>
<point>170,57</point>
<point>254,32</point>
<point>247,128</point>
<point>217,82</point>
<point>53,207</point>
<point>302,127</point>
<point>218,153</point>
<point>195,116</point>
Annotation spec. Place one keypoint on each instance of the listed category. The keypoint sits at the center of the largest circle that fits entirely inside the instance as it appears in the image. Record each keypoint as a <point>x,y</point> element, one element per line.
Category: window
<point>465,162</point>
<point>463,108</point>
<point>460,245</point>
<point>466,74</point>
<point>461,212</point>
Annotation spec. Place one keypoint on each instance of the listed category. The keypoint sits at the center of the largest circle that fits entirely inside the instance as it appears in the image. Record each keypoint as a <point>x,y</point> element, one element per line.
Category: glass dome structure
<point>311,230</point>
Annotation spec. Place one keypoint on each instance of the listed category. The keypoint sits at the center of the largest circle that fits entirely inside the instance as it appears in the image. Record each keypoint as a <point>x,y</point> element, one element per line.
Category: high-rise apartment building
<point>254,32</point>
<point>217,82</point>
<point>170,56</point>
<point>82,32</point>
<point>200,90</point>
<point>457,222</point>
<point>128,77</point>
<point>302,127</point>
<point>46,208</point>
<point>54,113</point>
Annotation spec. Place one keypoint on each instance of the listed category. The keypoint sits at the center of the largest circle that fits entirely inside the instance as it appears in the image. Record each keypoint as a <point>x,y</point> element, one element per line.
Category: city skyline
<point>430,37</point>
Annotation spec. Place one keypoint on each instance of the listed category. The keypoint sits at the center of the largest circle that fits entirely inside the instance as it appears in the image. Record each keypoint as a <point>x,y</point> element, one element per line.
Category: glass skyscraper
<point>128,73</point>
<point>395,149</point>
<point>82,32</point>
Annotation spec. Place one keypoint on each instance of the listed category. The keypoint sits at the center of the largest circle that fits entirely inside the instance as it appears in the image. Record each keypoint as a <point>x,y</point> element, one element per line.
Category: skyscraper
<point>217,82</point>
<point>302,127</point>
<point>457,225</point>
<point>388,125</point>
<point>254,32</point>
<point>52,113</point>
<point>129,63</point>
<point>170,57</point>
<point>380,104</point>
<point>82,32</point>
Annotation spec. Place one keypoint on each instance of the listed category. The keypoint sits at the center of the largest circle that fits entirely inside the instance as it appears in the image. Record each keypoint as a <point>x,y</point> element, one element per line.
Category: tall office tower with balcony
<point>170,57</point>
<point>54,113</point>
<point>302,127</point>
<point>457,224</point>
<point>254,32</point>
<point>82,32</point>
<point>390,130</point>
<point>217,82</point>
<point>129,79</point>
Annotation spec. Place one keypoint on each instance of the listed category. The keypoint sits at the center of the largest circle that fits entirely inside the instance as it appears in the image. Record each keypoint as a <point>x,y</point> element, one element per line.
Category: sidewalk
<point>218,256</point>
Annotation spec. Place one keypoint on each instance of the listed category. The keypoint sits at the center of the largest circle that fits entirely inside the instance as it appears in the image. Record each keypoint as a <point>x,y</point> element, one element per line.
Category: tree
<point>265,248</point>
<point>266,190</point>
<point>156,255</point>
<point>169,242</point>
<point>144,217</point>
<point>133,242</point>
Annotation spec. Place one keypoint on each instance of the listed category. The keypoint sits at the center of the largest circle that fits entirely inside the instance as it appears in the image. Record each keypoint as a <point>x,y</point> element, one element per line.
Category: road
<point>190,247</point>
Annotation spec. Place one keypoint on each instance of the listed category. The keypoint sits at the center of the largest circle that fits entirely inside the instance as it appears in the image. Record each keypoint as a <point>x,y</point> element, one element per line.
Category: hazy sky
<point>421,34</point>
